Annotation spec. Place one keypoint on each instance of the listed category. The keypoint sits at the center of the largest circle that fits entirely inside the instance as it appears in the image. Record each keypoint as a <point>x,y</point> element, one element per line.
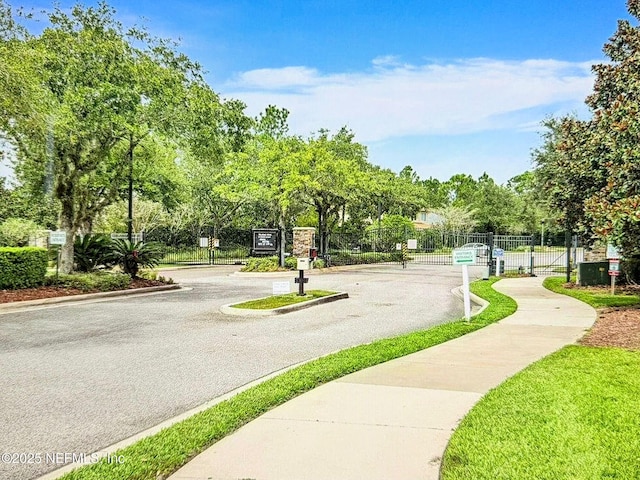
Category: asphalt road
<point>77,378</point>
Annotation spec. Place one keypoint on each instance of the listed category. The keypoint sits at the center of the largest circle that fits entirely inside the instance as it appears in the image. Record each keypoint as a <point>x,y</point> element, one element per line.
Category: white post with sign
<point>614,265</point>
<point>465,257</point>
<point>59,238</point>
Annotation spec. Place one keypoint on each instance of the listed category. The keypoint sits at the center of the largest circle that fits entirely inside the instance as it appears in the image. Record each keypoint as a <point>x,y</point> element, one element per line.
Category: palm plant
<point>130,256</point>
<point>91,252</point>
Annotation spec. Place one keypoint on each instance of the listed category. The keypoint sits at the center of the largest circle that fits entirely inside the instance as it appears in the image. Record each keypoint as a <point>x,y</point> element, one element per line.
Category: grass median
<point>574,414</point>
<point>277,301</point>
<point>168,450</point>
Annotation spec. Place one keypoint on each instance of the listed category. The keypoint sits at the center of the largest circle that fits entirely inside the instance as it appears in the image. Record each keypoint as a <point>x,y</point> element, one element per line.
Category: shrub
<point>102,281</point>
<point>22,267</point>
<point>15,232</point>
<point>93,251</point>
<point>291,263</point>
<point>261,264</point>
<point>131,256</point>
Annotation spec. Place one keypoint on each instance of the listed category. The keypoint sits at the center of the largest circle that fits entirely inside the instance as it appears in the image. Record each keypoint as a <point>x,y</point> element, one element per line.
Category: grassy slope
<point>573,415</point>
<point>173,447</point>
<point>597,298</point>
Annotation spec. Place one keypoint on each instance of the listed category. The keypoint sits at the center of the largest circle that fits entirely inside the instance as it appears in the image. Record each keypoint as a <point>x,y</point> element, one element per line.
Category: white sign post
<point>465,257</point>
<point>57,237</point>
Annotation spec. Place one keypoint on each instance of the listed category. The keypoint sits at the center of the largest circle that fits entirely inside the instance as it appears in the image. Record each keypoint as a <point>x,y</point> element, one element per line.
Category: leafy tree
<point>102,87</point>
<point>336,167</point>
<point>494,206</point>
<point>590,168</point>
<point>16,232</point>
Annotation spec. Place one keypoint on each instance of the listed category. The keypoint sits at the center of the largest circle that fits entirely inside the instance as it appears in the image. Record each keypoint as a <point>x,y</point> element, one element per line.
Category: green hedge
<point>22,267</point>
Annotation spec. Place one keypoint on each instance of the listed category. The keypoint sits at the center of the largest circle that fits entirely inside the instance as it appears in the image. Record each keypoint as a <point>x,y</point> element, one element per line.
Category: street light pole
<point>130,218</point>
<point>542,236</point>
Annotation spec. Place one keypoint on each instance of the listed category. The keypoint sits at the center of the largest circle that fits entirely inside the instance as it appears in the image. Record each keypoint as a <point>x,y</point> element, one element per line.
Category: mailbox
<point>303,264</point>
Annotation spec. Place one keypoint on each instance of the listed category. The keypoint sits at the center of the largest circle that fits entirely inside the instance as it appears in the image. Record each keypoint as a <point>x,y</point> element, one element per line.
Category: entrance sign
<point>465,256</point>
<point>265,240</point>
<point>58,237</point>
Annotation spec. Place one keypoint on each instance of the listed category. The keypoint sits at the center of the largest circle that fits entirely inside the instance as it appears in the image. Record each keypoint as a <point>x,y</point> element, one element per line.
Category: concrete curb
<point>480,303</point>
<point>85,296</point>
<point>246,312</point>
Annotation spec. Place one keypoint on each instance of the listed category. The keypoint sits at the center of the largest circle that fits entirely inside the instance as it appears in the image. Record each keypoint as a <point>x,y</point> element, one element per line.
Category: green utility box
<point>593,273</point>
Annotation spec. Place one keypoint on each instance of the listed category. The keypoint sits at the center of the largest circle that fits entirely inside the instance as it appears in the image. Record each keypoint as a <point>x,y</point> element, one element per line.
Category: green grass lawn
<point>171,448</point>
<point>596,297</point>
<point>573,415</point>
<point>276,301</point>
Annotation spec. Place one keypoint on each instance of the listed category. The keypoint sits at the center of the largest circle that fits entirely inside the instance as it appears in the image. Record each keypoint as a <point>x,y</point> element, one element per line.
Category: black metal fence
<point>518,253</point>
<point>380,245</point>
<point>185,248</point>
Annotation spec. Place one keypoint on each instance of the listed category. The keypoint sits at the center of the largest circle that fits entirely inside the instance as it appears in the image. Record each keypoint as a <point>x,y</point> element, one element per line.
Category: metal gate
<point>197,247</point>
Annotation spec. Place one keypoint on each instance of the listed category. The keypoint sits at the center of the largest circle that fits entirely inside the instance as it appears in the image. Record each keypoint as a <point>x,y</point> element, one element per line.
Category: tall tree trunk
<point>66,250</point>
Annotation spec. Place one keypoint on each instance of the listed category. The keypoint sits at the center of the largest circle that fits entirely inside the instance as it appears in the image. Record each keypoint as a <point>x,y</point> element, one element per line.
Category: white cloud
<point>393,100</point>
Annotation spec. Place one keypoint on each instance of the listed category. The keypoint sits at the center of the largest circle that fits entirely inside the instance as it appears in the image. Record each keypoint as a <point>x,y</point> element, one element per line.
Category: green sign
<point>464,257</point>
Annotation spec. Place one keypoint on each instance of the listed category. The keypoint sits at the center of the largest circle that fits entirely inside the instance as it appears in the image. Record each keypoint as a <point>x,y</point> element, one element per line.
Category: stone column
<point>304,238</point>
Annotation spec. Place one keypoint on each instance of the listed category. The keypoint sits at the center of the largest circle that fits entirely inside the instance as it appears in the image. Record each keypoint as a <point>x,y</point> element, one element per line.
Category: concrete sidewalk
<point>393,421</point>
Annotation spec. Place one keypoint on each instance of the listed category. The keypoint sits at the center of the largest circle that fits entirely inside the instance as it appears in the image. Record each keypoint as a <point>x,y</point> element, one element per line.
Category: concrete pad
<point>355,403</point>
<point>292,450</point>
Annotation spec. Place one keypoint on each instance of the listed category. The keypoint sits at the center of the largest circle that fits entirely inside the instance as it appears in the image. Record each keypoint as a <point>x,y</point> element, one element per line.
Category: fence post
<point>492,270</point>
<point>532,257</point>
<point>567,244</point>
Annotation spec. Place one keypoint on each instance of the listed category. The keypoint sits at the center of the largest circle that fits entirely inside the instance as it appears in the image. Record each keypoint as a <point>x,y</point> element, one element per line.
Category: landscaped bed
<point>65,289</point>
<point>574,414</point>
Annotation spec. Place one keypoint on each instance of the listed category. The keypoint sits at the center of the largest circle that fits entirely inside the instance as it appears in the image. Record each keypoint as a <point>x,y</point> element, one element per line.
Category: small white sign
<point>303,263</point>
<point>498,252</point>
<point>58,237</point>
<point>204,242</point>
<point>216,242</point>
<point>464,257</point>
<point>412,244</point>
<point>612,252</point>
<point>398,246</point>
<point>281,288</point>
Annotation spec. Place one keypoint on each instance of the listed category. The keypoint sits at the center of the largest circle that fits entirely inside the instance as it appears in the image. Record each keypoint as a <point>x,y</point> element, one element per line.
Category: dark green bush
<point>22,267</point>
<point>87,282</point>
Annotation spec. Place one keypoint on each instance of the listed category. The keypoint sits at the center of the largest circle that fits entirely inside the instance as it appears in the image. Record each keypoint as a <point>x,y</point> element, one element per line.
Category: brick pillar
<point>304,238</point>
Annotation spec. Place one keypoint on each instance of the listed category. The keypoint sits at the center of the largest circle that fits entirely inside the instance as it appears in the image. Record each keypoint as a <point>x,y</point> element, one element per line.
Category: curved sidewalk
<point>394,420</point>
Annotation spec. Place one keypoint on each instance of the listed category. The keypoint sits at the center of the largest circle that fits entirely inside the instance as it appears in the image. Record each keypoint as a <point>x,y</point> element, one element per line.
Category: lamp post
<point>130,216</point>
<point>542,236</point>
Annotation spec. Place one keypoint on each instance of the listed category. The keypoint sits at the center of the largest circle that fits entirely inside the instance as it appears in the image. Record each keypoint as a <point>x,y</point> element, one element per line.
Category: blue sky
<point>447,86</point>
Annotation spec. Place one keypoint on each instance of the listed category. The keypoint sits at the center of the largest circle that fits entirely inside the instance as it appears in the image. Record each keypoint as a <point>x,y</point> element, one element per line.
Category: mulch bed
<point>37,293</point>
<point>615,327</point>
